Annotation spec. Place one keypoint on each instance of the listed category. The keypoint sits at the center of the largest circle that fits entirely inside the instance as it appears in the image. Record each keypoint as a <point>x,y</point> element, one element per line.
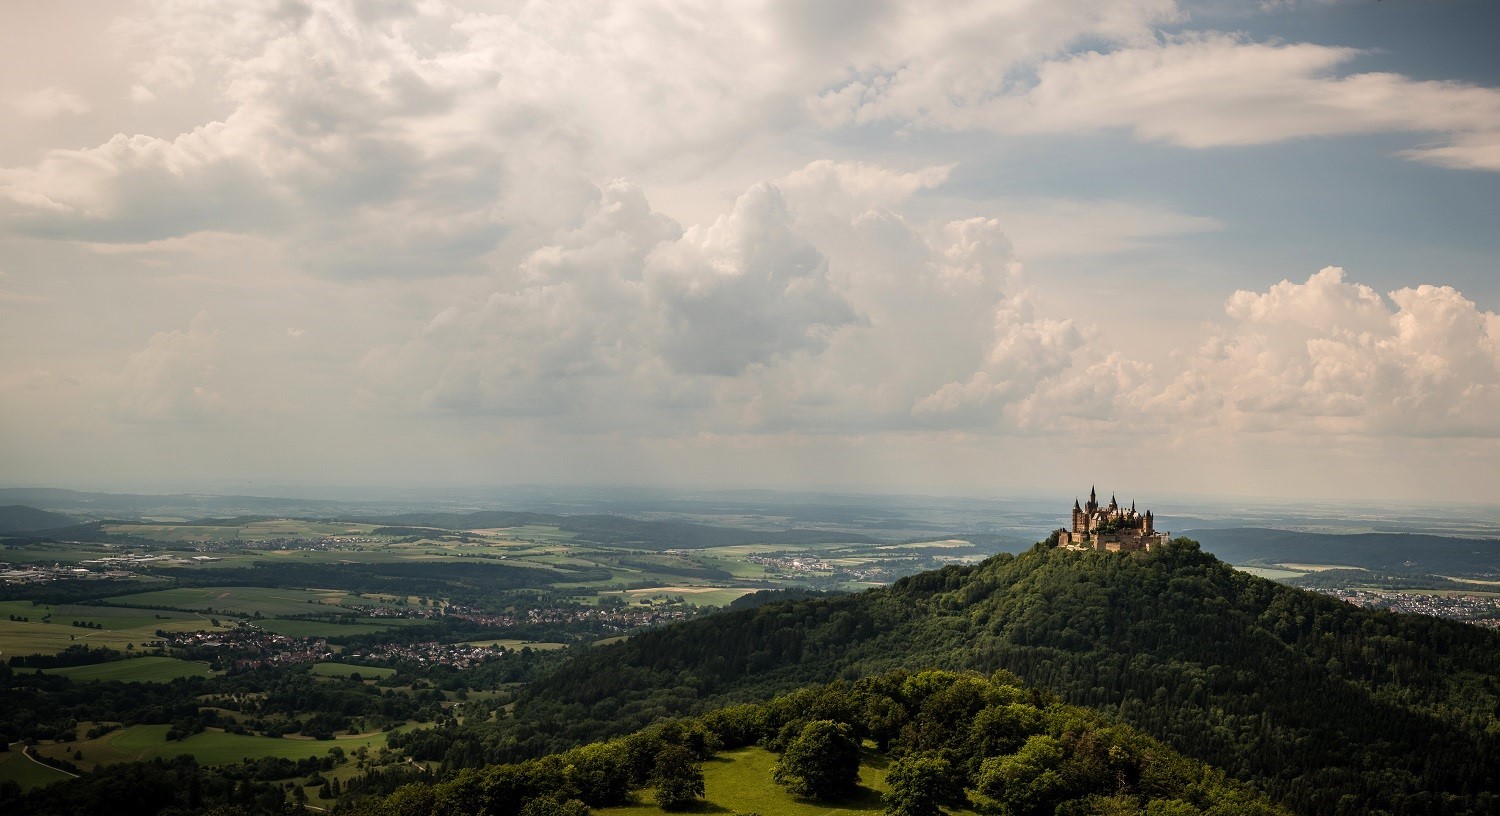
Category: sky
<point>1230,248</point>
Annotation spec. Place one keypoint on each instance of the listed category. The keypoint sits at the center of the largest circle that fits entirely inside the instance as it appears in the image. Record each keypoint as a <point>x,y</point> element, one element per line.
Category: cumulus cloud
<point>1325,356</point>
<point>765,320</point>
<point>743,291</point>
<point>1330,355</point>
<point>174,378</point>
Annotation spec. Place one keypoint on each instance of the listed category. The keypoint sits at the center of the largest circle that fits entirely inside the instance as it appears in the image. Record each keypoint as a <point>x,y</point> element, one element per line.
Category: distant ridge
<point>1385,552</point>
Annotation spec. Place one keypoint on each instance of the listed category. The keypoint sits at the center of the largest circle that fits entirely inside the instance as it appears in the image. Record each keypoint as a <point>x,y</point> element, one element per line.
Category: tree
<point>821,763</point>
<point>678,777</point>
<point>917,784</point>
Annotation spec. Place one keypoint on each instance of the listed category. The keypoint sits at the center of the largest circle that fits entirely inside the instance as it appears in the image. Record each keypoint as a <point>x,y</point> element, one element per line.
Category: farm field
<point>209,747</point>
<point>314,628</point>
<point>740,782</point>
<point>238,600</point>
<point>517,644</point>
<point>149,669</point>
<point>695,595</point>
<point>35,637</point>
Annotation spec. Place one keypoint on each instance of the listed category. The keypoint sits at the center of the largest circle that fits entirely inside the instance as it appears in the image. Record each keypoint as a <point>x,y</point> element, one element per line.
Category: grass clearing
<point>149,669</point>
<point>347,669</point>
<point>740,782</point>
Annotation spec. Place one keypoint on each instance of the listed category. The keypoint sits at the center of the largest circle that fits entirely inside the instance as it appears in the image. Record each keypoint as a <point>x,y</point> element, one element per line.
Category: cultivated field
<point>149,669</point>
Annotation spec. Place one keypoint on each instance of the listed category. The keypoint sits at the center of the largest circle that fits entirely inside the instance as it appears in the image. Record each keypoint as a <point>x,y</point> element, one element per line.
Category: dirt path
<point>26,752</point>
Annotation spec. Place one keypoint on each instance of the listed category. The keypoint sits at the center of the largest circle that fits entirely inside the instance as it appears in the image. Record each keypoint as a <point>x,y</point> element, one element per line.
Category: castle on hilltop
<point>1109,528</point>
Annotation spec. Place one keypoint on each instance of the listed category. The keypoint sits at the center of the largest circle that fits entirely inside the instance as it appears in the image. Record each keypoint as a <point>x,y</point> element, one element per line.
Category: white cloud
<point>48,103</point>
<point>1204,90</point>
<point>174,378</point>
<point>1327,355</point>
<point>1308,359</point>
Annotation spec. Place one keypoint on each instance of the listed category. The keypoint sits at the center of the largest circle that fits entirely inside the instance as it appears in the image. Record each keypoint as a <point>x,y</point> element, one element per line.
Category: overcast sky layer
<point>947,247</point>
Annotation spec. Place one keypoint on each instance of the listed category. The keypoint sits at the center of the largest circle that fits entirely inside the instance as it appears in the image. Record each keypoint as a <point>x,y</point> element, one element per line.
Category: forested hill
<point>1331,708</point>
<point>17,518</point>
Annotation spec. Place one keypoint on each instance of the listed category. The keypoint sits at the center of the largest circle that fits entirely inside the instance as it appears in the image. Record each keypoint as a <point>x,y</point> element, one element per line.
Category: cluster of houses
<point>1476,609</point>
<point>248,647</point>
<point>432,653</point>
<point>614,618</point>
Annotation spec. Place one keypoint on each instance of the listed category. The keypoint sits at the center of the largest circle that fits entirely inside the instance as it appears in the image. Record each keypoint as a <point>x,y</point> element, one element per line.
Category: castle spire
<point>1075,506</point>
<point>1093,499</point>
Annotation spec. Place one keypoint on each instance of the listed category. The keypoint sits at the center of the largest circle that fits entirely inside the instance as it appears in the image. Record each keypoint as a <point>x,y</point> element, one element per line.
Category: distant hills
<point>1385,552</point>
<point>18,518</point>
<point>1331,708</point>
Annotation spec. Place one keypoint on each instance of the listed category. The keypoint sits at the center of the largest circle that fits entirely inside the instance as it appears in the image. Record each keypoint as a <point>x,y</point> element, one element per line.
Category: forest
<point>1330,708</point>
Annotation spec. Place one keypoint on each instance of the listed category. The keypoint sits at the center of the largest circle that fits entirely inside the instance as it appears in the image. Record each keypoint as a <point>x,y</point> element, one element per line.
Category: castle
<point>1110,529</point>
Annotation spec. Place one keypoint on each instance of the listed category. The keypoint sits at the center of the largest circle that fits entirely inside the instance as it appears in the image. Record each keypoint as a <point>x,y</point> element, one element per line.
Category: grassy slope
<point>28,774</point>
<point>740,782</point>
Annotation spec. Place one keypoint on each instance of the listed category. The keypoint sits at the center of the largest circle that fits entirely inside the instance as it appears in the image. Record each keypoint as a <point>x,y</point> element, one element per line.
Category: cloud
<point>778,316</point>
<point>743,291</point>
<point>1328,355</point>
<point>174,378</point>
<point>1203,90</point>
<point>48,103</point>
<point>433,139</point>
<point>1312,359</point>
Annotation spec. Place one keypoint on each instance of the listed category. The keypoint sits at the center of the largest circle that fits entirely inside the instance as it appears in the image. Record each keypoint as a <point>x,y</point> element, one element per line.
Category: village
<point>1480,610</point>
